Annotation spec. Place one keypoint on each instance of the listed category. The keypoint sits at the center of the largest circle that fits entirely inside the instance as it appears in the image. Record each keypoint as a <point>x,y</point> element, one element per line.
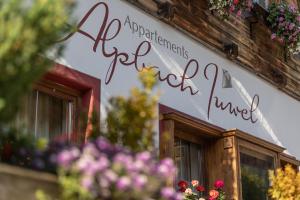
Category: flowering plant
<point>285,24</point>
<point>100,170</point>
<point>226,7</point>
<point>196,191</point>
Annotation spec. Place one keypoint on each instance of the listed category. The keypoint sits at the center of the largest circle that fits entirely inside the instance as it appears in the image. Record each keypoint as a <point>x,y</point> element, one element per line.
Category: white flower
<point>188,191</point>
<point>201,198</point>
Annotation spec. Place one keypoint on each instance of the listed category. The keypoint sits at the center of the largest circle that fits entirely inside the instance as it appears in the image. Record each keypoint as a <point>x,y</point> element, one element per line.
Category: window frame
<point>83,88</point>
<point>61,92</point>
<point>256,151</point>
<point>255,144</point>
<point>174,123</point>
<point>283,157</point>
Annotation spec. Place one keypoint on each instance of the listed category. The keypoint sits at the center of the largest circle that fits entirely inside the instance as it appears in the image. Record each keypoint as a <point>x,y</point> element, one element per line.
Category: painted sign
<point>109,29</point>
<point>114,41</point>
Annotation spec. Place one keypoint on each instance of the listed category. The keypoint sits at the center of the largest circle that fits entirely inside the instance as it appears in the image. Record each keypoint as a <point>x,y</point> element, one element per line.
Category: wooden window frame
<point>61,92</point>
<point>256,151</point>
<point>82,88</point>
<point>174,123</point>
<point>254,144</point>
<point>283,157</point>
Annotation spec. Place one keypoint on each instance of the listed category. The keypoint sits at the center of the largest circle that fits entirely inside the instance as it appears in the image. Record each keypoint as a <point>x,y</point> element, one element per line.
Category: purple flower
<point>124,160</point>
<point>281,19</point>
<point>140,181</point>
<point>123,183</point>
<point>143,156</point>
<point>291,26</point>
<point>103,144</point>
<point>166,168</point>
<point>167,192</point>
<point>292,8</point>
<point>67,156</point>
<point>103,182</point>
<point>87,182</point>
<point>84,162</point>
<point>91,150</point>
<point>178,196</point>
<point>98,165</point>
<point>110,175</point>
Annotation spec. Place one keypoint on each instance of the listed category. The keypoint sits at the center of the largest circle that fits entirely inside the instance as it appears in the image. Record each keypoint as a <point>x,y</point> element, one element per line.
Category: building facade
<point>229,94</point>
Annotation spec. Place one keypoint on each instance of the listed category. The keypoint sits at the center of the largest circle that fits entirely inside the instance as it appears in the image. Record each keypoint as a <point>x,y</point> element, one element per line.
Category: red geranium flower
<point>7,151</point>
<point>219,184</point>
<point>182,184</point>
<point>200,188</point>
<point>235,2</point>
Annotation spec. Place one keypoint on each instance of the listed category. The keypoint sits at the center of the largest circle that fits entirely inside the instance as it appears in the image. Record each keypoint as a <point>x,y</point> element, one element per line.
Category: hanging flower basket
<point>224,8</point>
<point>284,20</point>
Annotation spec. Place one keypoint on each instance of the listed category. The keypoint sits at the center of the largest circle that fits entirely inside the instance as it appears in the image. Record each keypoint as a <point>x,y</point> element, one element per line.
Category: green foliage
<point>72,188</point>
<point>285,184</point>
<point>28,31</point>
<point>40,195</point>
<point>130,120</point>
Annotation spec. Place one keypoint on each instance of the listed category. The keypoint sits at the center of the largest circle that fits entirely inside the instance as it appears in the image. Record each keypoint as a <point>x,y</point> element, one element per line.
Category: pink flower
<point>292,8</point>
<point>291,26</point>
<point>232,8</point>
<point>213,194</point>
<point>219,184</point>
<point>239,13</point>
<point>281,19</point>
<point>298,18</point>
<point>273,36</point>
<point>195,183</point>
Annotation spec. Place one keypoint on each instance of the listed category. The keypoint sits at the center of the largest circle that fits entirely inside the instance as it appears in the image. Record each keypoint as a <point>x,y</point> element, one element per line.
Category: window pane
<point>52,116</point>
<point>188,159</point>
<point>44,115</point>
<point>26,116</point>
<point>254,172</point>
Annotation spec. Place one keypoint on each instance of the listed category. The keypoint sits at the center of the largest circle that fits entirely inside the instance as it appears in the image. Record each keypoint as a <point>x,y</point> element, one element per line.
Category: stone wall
<point>21,184</point>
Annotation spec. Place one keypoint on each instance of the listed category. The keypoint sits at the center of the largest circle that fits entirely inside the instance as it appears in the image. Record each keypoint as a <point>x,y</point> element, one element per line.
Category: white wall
<point>276,113</point>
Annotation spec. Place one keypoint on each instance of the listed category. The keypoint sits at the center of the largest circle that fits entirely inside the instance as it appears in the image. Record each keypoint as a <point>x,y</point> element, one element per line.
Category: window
<point>255,174</point>
<point>56,103</point>
<point>48,110</point>
<point>189,160</point>
<point>196,146</point>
